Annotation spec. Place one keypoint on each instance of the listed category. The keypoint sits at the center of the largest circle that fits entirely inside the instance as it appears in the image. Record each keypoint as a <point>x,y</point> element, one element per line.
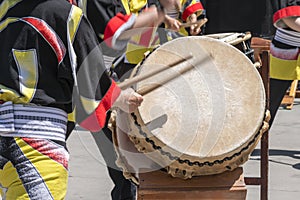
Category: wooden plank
<point>160,185</point>
<point>261,53</point>
<point>195,195</point>
<point>289,98</point>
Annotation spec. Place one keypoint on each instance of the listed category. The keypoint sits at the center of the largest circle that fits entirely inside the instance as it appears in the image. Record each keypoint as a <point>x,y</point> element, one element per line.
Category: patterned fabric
<point>110,18</point>
<point>288,37</point>
<point>191,6</point>
<point>51,65</point>
<point>18,120</point>
<point>48,49</point>
<point>289,11</point>
<point>285,47</point>
<point>25,164</point>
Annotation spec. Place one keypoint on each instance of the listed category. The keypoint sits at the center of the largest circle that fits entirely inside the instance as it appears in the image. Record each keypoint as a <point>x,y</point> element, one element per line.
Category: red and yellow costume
<point>51,66</point>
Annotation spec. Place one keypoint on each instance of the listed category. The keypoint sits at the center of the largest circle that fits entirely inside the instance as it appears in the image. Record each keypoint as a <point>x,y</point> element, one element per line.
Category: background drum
<point>206,121</point>
<point>241,41</point>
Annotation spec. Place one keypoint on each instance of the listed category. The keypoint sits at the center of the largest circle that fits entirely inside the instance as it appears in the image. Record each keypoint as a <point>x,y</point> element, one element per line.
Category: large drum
<point>204,121</point>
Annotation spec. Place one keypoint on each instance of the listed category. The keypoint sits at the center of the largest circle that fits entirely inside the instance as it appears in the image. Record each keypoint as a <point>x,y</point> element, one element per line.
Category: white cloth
<point>22,120</point>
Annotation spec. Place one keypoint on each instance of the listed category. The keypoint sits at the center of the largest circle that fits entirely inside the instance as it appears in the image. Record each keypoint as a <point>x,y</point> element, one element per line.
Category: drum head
<point>204,117</point>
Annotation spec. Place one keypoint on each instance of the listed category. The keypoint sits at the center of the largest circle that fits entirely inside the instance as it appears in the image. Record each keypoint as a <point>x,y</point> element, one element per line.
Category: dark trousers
<point>123,189</point>
<point>278,89</point>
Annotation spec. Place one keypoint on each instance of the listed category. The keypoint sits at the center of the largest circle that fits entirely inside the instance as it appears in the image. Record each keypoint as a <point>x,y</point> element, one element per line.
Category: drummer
<point>174,18</point>
<point>285,57</point>
<point>46,42</point>
<point>117,16</point>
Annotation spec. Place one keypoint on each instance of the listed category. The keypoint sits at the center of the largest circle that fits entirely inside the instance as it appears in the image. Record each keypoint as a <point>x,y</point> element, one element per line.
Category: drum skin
<point>206,120</point>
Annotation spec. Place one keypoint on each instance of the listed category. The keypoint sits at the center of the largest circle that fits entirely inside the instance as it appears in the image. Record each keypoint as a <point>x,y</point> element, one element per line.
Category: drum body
<point>205,121</point>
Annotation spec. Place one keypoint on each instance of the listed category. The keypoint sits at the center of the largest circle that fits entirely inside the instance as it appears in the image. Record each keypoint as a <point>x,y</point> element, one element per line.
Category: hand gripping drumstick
<point>142,77</point>
<point>200,23</point>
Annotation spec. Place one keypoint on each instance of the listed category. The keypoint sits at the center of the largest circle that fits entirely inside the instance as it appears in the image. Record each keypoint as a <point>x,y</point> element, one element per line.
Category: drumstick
<point>238,40</point>
<point>200,23</point>
<point>139,78</point>
<point>186,68</point>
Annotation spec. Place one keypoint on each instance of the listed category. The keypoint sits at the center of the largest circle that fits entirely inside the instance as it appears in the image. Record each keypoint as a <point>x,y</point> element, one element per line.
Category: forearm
<point>149,18</point>
<point>293,23</point>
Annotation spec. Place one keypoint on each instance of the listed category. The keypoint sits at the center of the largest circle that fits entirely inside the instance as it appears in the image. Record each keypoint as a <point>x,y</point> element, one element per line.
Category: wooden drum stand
<point>262,55</point>
<point>229,185</point>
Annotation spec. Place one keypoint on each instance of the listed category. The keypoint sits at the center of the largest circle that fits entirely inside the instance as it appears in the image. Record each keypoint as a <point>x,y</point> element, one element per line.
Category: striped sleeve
<point>289,11</point>
<point>94,91</point>
<point>100,12</point>
<point>96,119</point>
<point>190,7</point>
<point>114,29</point>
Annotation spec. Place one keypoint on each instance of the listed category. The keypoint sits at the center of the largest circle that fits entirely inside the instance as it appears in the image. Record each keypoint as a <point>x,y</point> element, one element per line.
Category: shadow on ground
<point>278,152</point>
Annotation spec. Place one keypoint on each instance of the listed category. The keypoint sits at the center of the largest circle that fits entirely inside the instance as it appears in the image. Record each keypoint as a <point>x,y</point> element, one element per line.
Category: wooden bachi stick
<point>187,67</point>
<point>200,22</point>
<point>142,77</point>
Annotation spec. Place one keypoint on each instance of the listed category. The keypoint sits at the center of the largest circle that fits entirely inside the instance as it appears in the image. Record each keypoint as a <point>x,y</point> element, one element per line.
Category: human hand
<point>128,100</point>
<point>195,29</point>
<point>293,23</point>
<point>172,23</point>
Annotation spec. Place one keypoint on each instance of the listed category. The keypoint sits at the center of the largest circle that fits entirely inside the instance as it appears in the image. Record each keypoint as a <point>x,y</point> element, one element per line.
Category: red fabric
<point>113,25</point>
<point>49,35</point>
<point>73,2</point>
<point>191,9</point>
<point>146,37</point>
<point>96,120</point>
<point>48,149</point>
<point>286,12</point>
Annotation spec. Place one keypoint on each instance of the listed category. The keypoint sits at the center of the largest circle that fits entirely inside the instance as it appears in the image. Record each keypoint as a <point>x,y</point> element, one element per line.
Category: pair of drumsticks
<point>187,66</point>
<point>136,79</point>
<point>199,22</point>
